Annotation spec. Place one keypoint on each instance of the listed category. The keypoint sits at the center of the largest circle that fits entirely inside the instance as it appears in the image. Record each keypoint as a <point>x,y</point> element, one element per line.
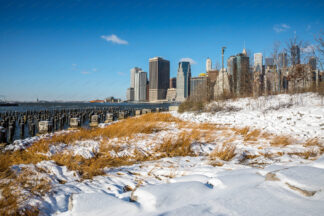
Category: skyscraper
<point>173,82</point>
<point>243,84</point>
<point>295,54</point>
<point>199,88</point>
<point>208,65</point>
<point>312,63</point>
<point>269,62</point>
<point>232,72</point>
<point>140,86</point>
<point>133,71</point>
<point>258,62</point>
<point>159,70</point>
<point>183,80</point>
<point>130,94</point>
<point>283,60</point>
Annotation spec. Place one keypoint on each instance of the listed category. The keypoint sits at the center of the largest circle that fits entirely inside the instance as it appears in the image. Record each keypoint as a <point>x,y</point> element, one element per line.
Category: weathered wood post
<point>75,122</point>
<point>3,137</point>
<point>94,121</point>
<point>109,117</point>
<point>44,127</point>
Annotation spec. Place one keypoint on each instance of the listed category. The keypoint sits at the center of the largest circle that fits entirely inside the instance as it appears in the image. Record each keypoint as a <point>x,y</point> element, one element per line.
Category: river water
<point>71,105</point>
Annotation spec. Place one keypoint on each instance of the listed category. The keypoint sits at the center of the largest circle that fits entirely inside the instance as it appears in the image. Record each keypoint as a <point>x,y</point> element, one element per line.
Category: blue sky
<point>82,49</point>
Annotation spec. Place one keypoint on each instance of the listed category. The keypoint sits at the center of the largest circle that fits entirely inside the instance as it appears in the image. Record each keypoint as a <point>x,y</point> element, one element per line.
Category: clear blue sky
<point>63,49</point>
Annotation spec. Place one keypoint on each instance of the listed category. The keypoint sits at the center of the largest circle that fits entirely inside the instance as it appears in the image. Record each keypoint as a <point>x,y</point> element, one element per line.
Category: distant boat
<point>97,101</point>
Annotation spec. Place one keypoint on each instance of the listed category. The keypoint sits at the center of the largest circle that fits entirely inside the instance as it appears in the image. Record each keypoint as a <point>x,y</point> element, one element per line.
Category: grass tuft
<point>280,141</point>
<point>225,153</point>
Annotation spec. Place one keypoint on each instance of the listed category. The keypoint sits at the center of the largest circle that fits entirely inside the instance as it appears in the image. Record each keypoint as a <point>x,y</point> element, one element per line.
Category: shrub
<point>190,106</point>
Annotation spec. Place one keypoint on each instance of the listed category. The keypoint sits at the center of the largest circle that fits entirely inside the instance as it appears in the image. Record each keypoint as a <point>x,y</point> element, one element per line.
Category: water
<point>23,107</point>
<point>52,108</point>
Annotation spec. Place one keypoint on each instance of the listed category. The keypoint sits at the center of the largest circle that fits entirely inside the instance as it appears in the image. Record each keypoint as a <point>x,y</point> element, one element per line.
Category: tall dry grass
<point>281,141</point>
<point>10,202</point>
<point>224,152</point>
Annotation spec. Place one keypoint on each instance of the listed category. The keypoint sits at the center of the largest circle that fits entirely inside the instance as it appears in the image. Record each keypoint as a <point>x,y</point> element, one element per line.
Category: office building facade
<point>282,60</point>
<point>183,80</point>
<point>269,62</point>
<point>133,71</point>
<point>258,62</point>
<point>243,85</point>
<point>159,70</point>
<point>140,86</point>
<point>173,82</point>
<point>295,55</point>
<point>130,94</point>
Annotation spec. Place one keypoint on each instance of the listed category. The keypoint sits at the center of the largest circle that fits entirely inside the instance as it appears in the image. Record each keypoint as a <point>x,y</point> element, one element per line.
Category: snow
<point>282,184</point>
<point>204,190</point>
<point>299,115</point>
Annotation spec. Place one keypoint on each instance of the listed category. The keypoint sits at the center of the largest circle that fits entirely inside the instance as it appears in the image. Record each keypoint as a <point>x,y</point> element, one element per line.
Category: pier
<point>16,125</point>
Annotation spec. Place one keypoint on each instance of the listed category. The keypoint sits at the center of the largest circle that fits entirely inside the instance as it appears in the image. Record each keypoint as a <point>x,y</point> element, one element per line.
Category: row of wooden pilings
<point>20,125</point>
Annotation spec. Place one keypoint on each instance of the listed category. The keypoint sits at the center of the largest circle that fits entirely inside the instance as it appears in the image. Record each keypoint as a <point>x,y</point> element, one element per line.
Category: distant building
<point>258,62</point>
<point>133,71</point>
<point>222,85</point>
<point>208,65</point>
<point>113,100</point>
<point>295,55</point>
<point>183,80</point>
<point>172,94</point>
<point>199,88</point>
<point>269,62</point>
<point>173,82</point>
<point>147,90</point>
<point>130,94</point>
<point>159,70</point>
<point>312,63</point>
<point>232,72</point>
<point>130,91</point>
<point>242,77</point>
<point>140,86</point>
<point>213,74</point>
<point>283,60</point>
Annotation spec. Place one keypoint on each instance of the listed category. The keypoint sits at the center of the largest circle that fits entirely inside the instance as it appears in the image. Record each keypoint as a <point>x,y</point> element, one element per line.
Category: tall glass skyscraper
<point>140,86</point>
<point>183,80</point>
<point>295,54</point>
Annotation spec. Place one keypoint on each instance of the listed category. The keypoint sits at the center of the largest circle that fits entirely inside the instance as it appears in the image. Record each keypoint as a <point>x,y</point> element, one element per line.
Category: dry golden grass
<point>178,147</point>
<point>18,188</point>
<point>281,141</point>
<point>312,142</point>
<point>308,154</point>
<point>226,153</point>
<point>241,131</point>
<point>252,135</point>
<point>215,163</point>
<point>271,155</point>
<point>86,168</point>
<point>127,133</point>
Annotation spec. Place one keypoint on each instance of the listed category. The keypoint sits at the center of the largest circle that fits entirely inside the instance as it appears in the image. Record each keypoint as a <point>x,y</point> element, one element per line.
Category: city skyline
<point>87,51</point>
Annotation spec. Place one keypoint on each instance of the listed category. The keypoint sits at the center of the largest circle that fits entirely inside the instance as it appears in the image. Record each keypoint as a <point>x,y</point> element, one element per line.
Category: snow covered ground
<point>299,115</point>
<point>190,186</point>
<point>262,178</point>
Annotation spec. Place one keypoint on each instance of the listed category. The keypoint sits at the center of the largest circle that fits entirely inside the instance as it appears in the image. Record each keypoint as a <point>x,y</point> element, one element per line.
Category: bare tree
<point>275,52</point>
<point>292,44</point>
<point>298,73</point>
<point>320,49</point>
